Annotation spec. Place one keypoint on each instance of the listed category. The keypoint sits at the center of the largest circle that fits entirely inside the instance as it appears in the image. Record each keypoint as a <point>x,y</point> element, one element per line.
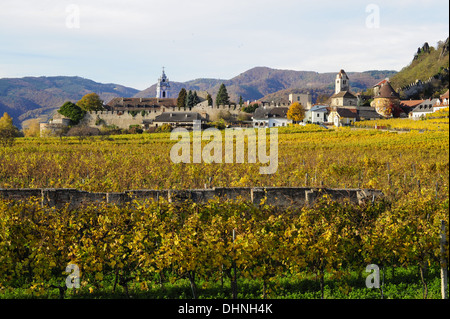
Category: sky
<point>128,42</point>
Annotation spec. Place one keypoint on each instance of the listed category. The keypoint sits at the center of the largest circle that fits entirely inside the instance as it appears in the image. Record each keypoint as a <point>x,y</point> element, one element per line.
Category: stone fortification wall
<point>124,119</point>
<point>276,196</point>
<point>121,119</point>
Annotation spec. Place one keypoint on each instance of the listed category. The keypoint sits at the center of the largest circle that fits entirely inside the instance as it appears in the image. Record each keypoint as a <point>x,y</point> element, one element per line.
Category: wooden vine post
<point>444,278</point>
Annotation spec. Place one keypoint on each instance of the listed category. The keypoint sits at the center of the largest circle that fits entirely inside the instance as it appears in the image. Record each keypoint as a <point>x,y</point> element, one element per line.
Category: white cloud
<point>129,41</point>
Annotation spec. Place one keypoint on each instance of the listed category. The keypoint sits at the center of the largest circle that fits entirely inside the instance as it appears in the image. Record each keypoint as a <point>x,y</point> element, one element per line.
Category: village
<point>344,108</point>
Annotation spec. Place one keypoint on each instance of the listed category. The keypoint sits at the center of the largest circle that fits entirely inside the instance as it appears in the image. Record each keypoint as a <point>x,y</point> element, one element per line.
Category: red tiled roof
<point>411,103</point>
<point>349,113</point>
<point>119,102</point>
<point>381,82</point>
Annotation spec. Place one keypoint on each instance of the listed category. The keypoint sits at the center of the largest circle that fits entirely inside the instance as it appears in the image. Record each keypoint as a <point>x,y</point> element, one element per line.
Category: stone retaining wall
<point>276,196</point>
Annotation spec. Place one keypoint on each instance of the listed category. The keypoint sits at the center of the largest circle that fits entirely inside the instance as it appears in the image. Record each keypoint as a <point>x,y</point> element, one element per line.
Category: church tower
<point>163,88</point>
<point>342,82</point>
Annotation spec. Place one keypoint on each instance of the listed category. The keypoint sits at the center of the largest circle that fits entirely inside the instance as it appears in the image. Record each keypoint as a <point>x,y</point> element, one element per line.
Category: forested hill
<point>429,65</point>
<point>33,97</point>
<point>38,97</point>
<point>259,82</point>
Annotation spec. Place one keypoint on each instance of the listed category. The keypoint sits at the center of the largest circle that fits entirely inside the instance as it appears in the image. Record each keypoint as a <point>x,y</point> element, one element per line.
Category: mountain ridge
<point>39,97</point>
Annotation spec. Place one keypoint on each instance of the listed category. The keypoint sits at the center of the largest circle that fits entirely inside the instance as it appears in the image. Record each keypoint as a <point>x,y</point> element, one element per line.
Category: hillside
<point>259,82</point>
<point>428,62</point>
<point>175,87</point>
<point>38,97</point>
<point>359,81</point>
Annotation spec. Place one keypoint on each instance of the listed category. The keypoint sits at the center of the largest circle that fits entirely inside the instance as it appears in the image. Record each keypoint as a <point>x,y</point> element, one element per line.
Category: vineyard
<point>149,246</point>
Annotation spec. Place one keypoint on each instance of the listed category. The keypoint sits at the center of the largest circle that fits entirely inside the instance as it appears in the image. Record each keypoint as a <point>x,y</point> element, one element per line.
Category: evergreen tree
<point>222,97</point>
<point>181,101</point>
<point>210,100</point>
<point>196,98</point>
<point>241,101</point>
<point>190,99</point>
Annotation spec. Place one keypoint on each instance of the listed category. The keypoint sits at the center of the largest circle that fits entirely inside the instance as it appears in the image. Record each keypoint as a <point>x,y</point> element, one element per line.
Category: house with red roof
<point>442,102</point>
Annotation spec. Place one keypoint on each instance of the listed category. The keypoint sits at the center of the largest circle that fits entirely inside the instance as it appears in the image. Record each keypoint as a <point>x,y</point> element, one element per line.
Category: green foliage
<point>165,128</point>
<point>196,98</point>
<point>219,124</point>
<point>426,65</point>
<point>133,113</point>
<point>222,97</point>
<point>251,108</point>
<point>190,100</point>
<point>181,100</point>
<point>209,99</point>
<point>72,111</point>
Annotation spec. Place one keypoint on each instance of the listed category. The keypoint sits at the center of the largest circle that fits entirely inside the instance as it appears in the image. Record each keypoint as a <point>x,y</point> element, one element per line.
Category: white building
<point>442,102</point>
<point>317,114</point>
<point>271,117</point>
<point>343,116</point>
<point>424,108</point>
<point>342,96</point>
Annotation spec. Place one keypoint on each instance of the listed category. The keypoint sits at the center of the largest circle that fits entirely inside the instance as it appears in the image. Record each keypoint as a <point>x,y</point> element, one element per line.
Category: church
<point>149,112</point>
<point>342,96</point>
<point>345,108</point>
<point>158,104</point>
<point>163,87</point>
